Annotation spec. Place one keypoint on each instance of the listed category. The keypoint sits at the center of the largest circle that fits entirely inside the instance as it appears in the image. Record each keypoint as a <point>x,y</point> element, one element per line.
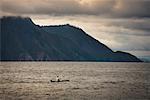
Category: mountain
<point>22,40</point>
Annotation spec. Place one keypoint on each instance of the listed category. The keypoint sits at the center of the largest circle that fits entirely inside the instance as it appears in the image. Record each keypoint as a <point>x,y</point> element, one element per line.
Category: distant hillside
<point>22,40</point>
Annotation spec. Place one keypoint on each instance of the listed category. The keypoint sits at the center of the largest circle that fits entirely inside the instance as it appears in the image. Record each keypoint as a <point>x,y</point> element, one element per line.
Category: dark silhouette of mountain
<point>22,40</point>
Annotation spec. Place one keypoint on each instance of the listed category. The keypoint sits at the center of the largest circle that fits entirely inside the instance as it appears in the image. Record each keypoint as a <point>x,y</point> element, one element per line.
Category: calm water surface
<point>88,81</point>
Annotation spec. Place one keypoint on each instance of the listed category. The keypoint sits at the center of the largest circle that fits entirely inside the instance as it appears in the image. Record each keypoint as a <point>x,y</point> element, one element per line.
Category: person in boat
<point>57,79</point>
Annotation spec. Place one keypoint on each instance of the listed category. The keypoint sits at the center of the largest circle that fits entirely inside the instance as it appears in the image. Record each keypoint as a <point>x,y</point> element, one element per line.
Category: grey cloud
<point>132,8</point>
<point>133,24</point>
<point>106,8</point>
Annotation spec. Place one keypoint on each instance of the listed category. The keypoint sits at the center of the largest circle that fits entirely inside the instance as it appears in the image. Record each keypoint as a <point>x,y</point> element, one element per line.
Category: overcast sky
<point>120,24</point>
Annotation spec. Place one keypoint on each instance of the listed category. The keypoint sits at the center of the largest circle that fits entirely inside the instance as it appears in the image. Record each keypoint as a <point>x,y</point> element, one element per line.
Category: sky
<point>120,24</point>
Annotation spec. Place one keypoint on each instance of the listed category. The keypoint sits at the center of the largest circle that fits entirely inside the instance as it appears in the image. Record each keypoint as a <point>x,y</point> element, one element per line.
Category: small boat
<point>60,81</point>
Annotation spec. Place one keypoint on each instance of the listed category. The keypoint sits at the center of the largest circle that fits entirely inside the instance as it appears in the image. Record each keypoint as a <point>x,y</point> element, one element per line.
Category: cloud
<point>106,8</point>
<point>132,8</point>
<point>139,26</point>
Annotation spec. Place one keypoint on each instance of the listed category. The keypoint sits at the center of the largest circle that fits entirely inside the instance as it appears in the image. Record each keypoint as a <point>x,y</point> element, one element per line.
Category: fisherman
<point>57,79</point>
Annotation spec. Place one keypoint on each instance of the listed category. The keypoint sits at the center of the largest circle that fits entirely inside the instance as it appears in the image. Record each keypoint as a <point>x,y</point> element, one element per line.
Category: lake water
<point>88,81</point>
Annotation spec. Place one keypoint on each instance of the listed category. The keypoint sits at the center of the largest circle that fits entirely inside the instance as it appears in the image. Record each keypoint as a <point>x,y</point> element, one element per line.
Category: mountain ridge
<point>22,40</point>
